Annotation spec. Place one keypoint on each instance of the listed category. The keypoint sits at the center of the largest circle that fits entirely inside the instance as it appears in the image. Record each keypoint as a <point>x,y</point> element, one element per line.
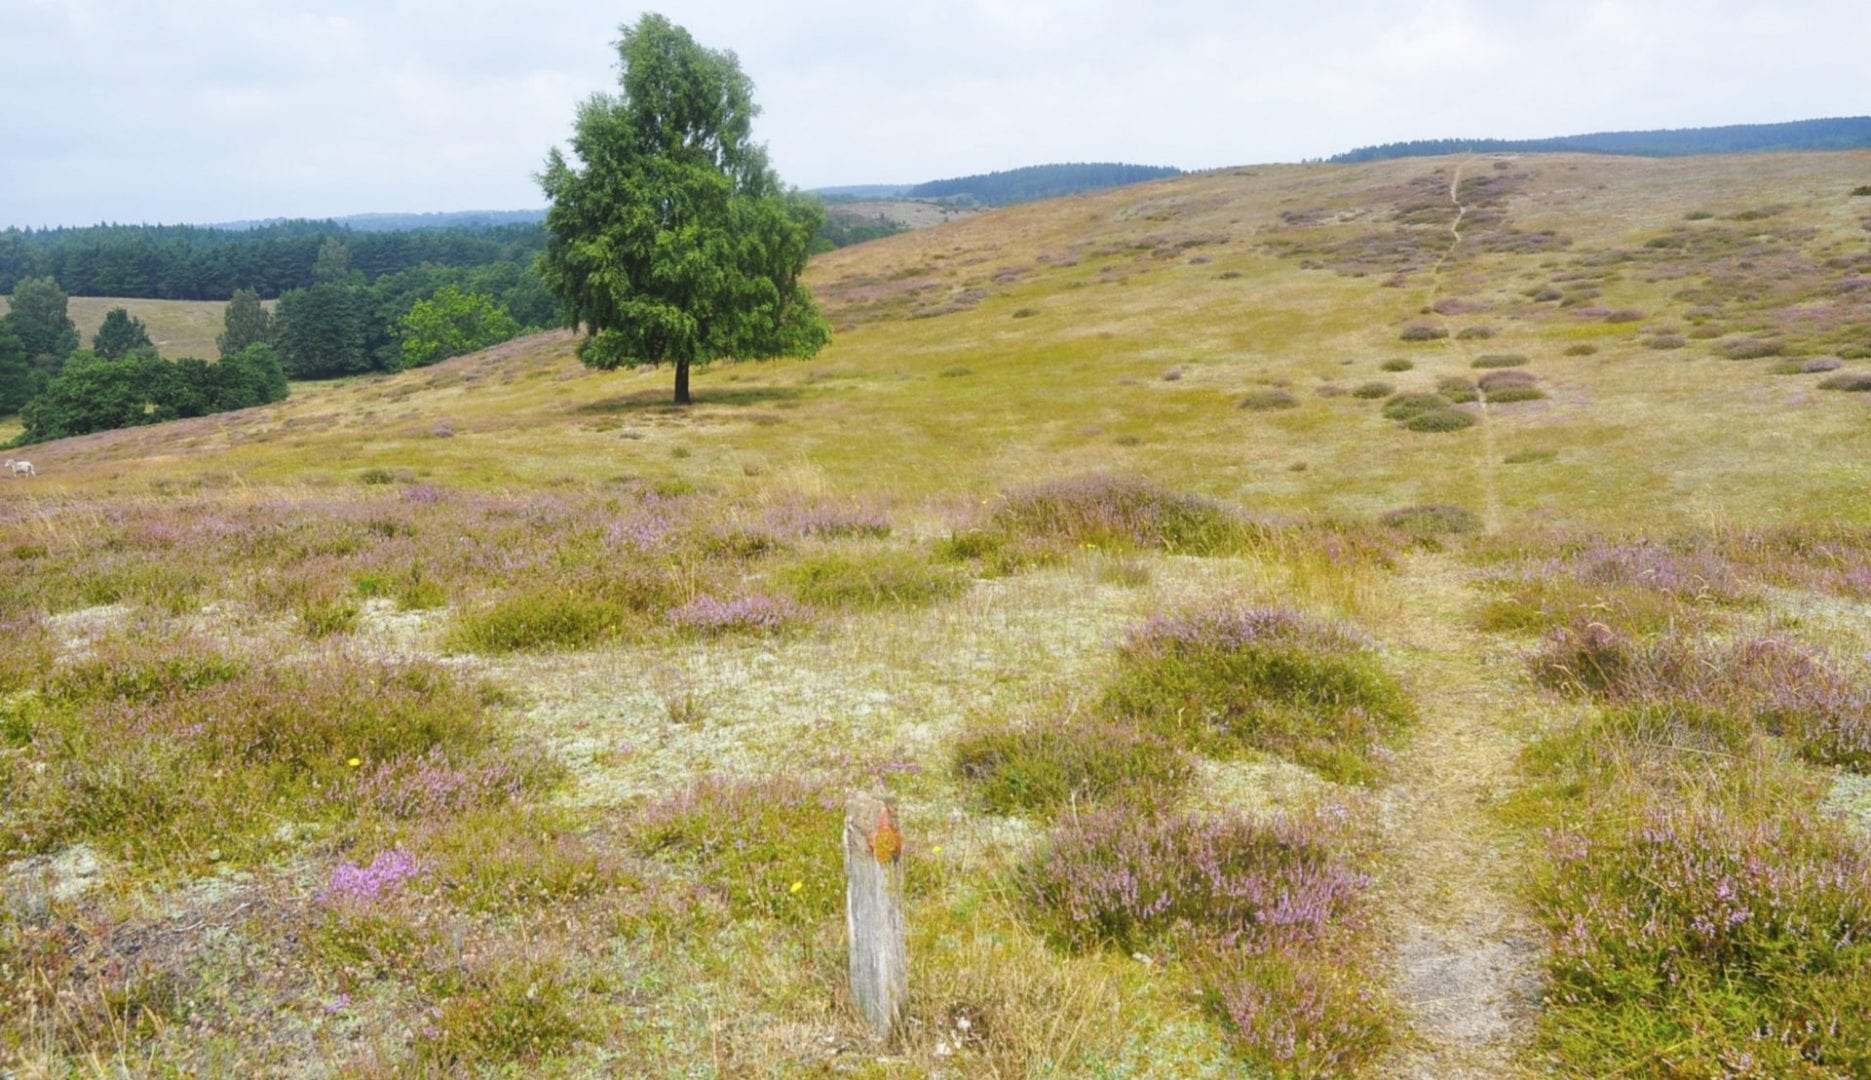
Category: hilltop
<point>1364,619</point>
<point>1843,133</point>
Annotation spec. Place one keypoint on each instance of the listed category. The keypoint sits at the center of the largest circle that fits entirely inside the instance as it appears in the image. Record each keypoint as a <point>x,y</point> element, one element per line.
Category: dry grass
<point>382,516</point>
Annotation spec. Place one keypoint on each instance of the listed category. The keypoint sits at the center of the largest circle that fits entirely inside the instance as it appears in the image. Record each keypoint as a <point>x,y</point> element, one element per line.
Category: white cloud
<point>214,109</point>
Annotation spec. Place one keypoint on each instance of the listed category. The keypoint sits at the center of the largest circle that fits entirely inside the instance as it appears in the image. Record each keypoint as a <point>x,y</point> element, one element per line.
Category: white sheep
<point>19,468</point>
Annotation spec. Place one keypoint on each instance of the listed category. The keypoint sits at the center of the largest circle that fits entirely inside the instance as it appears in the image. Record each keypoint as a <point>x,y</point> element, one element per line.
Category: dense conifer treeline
<point>1847,133</point>
<point>1036,182</point>
<point>192,262</point>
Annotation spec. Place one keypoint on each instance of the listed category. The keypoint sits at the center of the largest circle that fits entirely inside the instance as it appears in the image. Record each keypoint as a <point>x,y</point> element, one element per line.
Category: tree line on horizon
<point>1034,182</point>
<point>196,262</point>
<point>1842,133</point>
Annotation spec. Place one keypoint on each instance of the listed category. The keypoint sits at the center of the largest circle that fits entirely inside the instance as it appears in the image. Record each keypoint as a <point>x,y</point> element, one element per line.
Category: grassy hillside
<point>1402,618</point>
<point>178,327</point>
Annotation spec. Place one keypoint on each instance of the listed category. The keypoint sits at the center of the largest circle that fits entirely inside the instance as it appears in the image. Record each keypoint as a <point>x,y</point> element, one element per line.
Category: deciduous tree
<point>453,323</point>
<point>43,323</point>
<point>671,239</point>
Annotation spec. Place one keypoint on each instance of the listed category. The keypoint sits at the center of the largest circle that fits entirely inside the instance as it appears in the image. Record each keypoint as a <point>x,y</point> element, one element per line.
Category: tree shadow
<point>658,401</point>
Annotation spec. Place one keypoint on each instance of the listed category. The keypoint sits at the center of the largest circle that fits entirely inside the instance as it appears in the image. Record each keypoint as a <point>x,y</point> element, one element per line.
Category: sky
<point>217,110</point>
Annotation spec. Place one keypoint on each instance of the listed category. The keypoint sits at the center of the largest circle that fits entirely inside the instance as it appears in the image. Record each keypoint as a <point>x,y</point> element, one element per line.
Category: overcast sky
<point>211,110</point>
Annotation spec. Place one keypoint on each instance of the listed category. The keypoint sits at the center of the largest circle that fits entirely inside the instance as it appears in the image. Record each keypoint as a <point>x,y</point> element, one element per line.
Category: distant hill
<point>1035,182</point>
<point>1844,133</point>
<point>860,191</point>
<point>455,219</point>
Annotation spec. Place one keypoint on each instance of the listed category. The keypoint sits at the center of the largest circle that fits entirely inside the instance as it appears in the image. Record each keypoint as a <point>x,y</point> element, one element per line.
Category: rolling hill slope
<point>1364,619</point>
<point>1035,341</point>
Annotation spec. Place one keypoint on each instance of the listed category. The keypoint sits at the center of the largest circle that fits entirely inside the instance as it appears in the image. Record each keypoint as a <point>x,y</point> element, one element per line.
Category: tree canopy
<point>41,318</point>
<point>121,334</point>
<point>453,323</point>
<point>675,242</point>
<point>244,322</point>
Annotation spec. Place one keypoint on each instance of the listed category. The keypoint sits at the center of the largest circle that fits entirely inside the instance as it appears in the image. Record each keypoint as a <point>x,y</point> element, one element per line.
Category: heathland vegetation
<point>1397,618</point>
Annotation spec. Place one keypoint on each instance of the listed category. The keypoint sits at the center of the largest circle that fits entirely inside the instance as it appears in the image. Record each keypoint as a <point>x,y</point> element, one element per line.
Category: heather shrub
<point>1702,941</point>
<point>1499,360</point>
<point>1440,420</point>
<point>1041,767</point>
<point>1475,333</point>
<point>1396,364</point>
<point>1269,401</point>
<point>1854,382</point>
<point>1498,382</point>
<point>1293,1012</point>
<point>1423,332</point>
<point>1405,406</point>
<point>853,579</point>
<point>509,859</point>
<point>1458,390</point>
<point>1790,690</point>
<point>827,521</point>
<point>1431,519</point>
<point>1117,878</point>
<point>1269,914</point>
<point>1259,679</point>
<point>1116,512</point>
<point>1752,349</point>
<point>1374,390</point>
<point>1818,365</point>
<point>551,617</point>
<point>707,615</point>
<point>1665,342</point>
<point>769,848</point>
<point>148,754</point>
<point>507,1012</point>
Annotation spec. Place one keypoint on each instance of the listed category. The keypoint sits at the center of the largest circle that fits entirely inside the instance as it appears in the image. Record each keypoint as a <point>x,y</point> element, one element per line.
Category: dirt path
<point>1490,456</point>
<point>1467,955</point>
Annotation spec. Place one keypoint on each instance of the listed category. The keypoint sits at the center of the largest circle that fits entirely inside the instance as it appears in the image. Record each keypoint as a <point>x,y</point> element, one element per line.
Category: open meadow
<point>1407,618</point>
<point>177,328</point>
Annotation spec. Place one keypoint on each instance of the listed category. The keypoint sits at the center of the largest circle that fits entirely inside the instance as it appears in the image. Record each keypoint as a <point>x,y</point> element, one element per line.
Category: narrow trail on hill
<point>1490,457</point>
<point>1467,954</point>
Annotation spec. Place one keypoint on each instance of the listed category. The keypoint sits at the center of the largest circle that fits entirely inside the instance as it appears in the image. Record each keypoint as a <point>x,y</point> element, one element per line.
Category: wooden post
<point>874,911</point>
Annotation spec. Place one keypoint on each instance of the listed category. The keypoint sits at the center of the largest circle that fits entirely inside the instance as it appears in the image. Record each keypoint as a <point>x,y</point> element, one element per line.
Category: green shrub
<point>1034,523</point>
<point>1223,681</point>
<point>770,848</point>
<point>1581,350</point>
<point>869,579</point>
<point>1269,400</point>
<point>1499,360</point>
<point>1374,390</point>
<point>1855,382</point>
<point>509,1012</point>
<point>553,617</point>
<point>1440,420</point>
<point>1405,406</point>
<point>1507,395</point>
<point>1397,364</point>
<point>1431,519</point>
<point>377,476</point>
<point>1529,457</point>
<point>170,753</point>
<point>1423,332</point>
<point>1679,938</point>
<point>1040,767</point>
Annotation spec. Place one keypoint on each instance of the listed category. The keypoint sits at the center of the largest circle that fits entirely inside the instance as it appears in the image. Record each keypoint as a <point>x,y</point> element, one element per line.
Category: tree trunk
<point>682,382</point>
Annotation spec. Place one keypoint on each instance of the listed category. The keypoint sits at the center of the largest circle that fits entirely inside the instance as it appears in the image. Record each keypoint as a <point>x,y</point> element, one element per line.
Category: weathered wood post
<point>874,911</point>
